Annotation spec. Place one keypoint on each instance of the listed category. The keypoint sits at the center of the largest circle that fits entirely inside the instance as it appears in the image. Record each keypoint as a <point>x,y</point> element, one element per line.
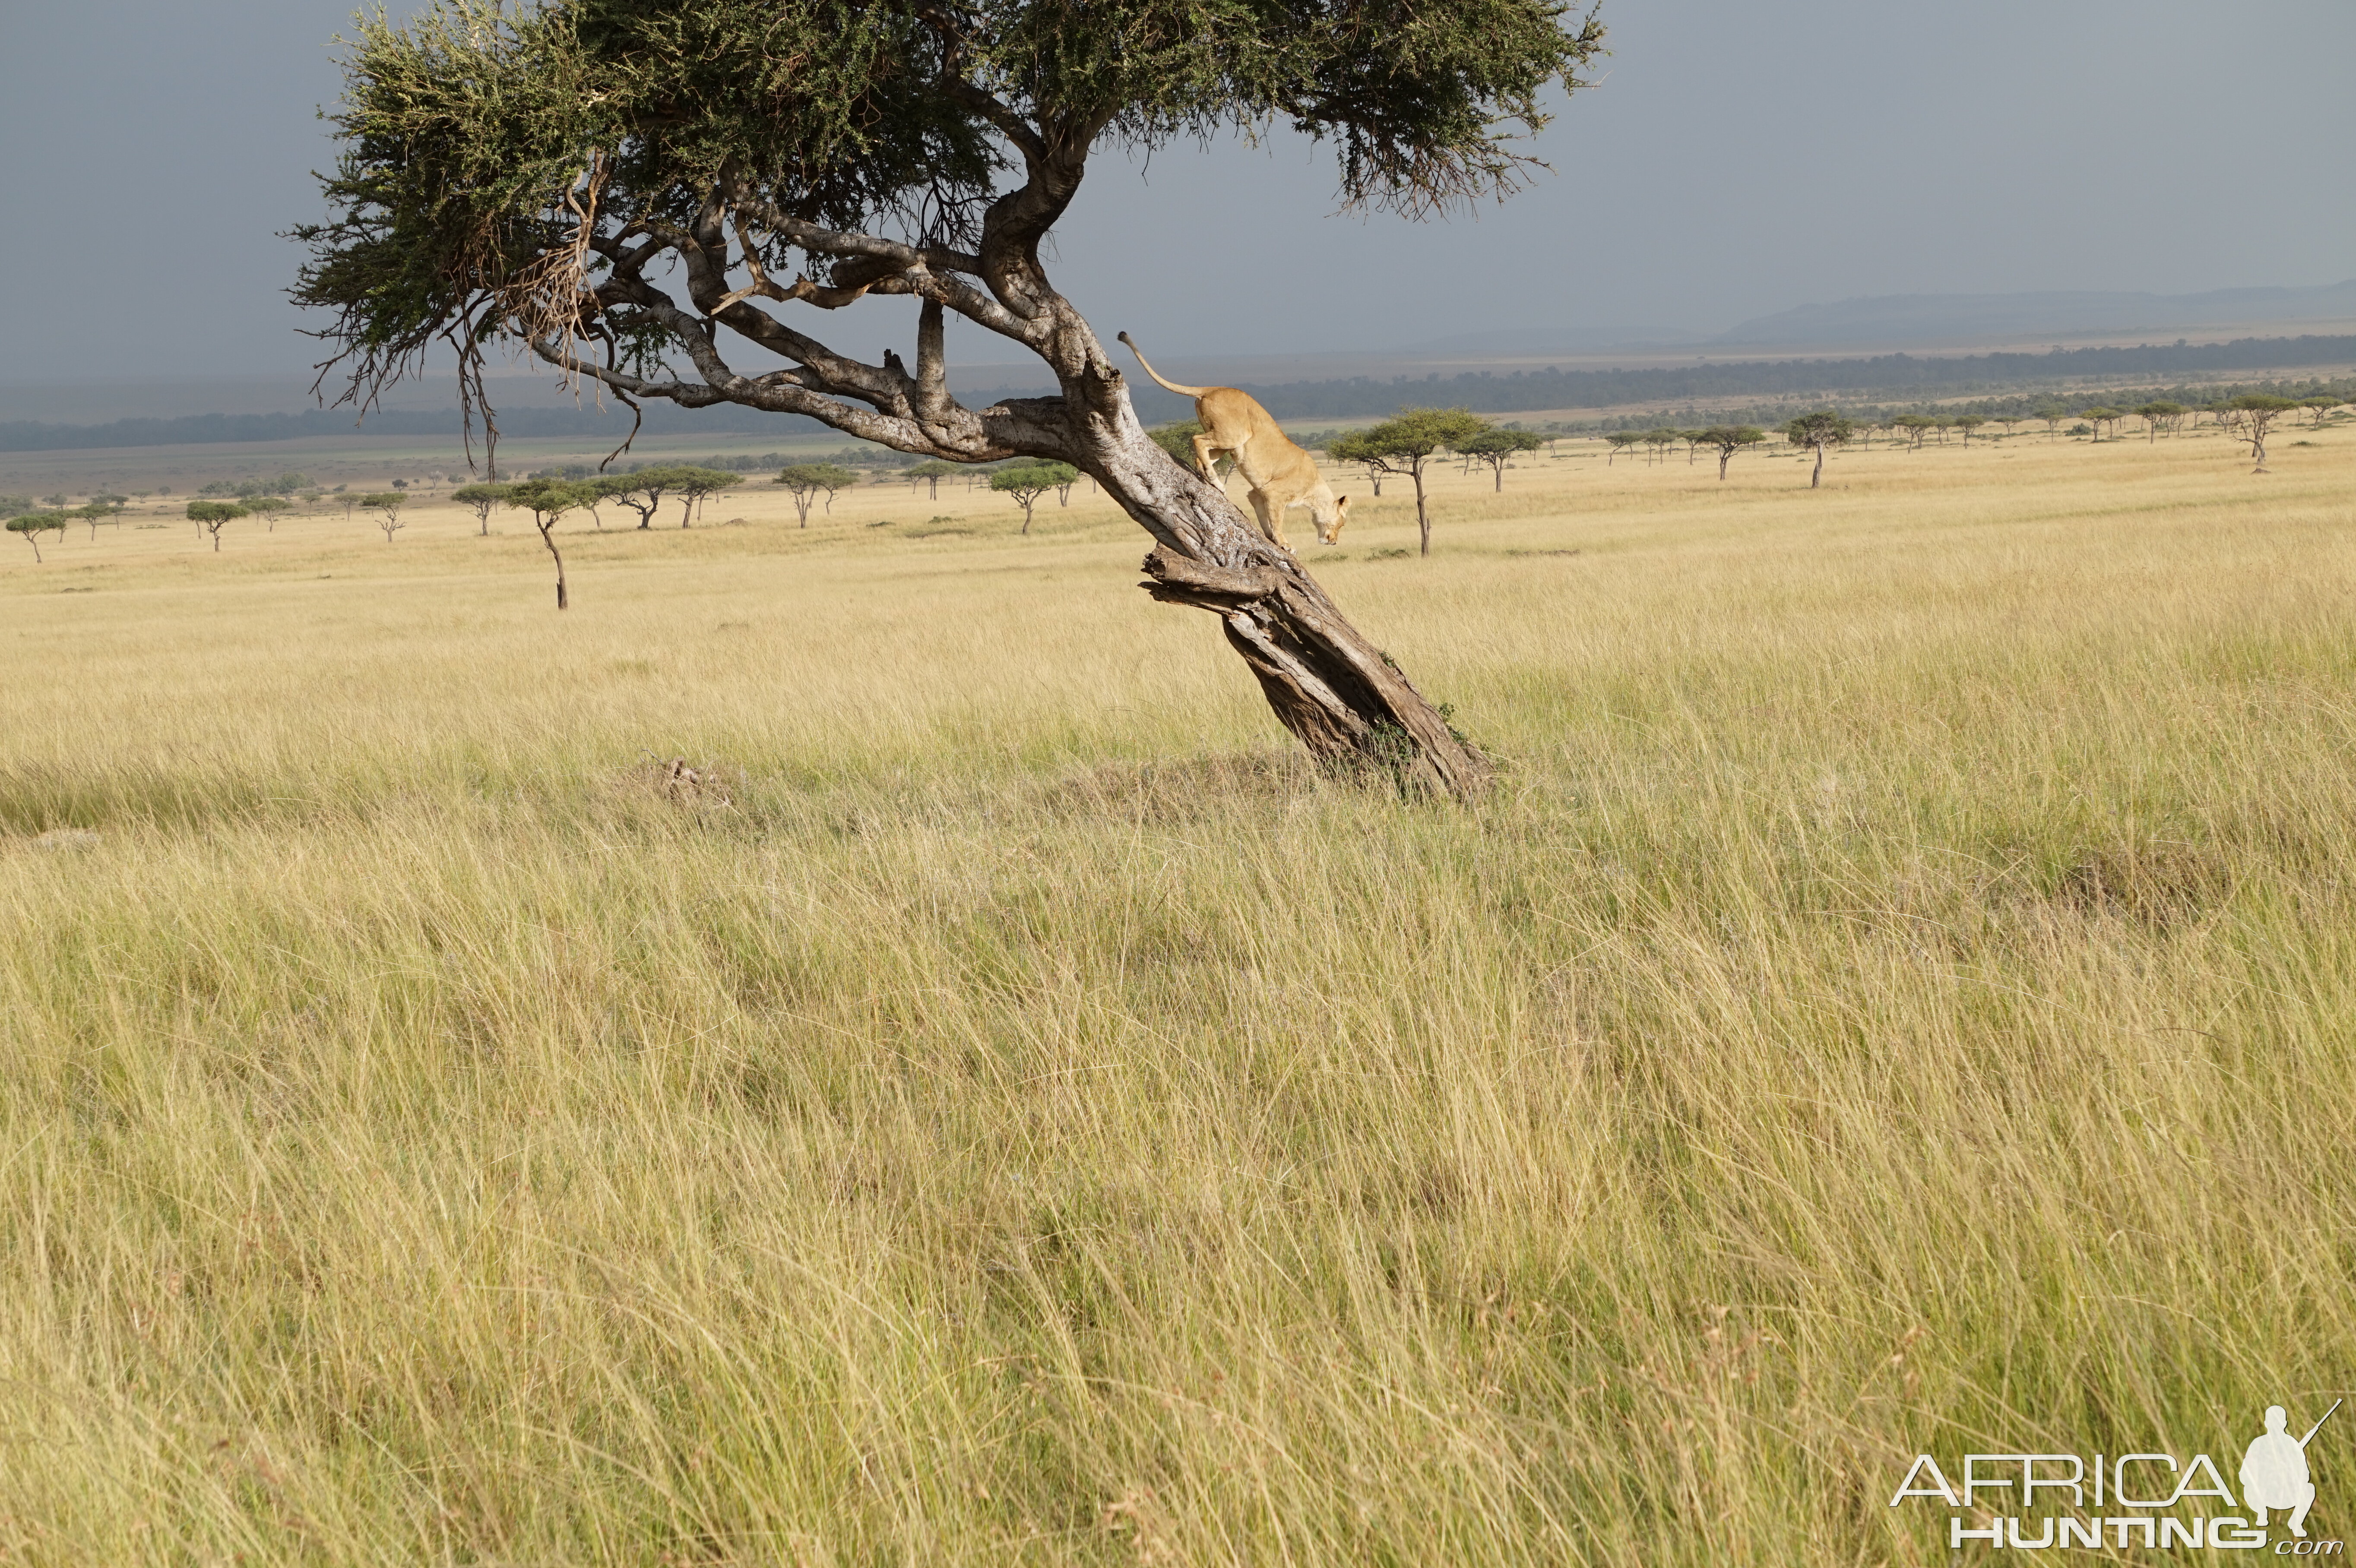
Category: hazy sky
<point>1735,158</point>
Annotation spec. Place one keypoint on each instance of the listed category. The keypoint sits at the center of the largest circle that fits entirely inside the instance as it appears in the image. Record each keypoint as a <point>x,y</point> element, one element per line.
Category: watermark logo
<point>2130,1498</point>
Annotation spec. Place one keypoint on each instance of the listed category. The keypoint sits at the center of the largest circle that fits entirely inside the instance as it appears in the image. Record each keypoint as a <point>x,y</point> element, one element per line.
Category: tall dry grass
<point>1898,998</point>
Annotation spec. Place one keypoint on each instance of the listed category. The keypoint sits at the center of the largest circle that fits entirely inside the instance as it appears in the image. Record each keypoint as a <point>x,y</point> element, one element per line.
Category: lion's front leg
<point>1271,518</point>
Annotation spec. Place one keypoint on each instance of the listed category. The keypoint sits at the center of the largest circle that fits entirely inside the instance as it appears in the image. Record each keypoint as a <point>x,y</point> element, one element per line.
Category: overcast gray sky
<point>1735,158</point>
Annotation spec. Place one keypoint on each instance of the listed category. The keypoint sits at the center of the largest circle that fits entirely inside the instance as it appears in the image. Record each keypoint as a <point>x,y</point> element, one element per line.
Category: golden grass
<point>1898,998</point>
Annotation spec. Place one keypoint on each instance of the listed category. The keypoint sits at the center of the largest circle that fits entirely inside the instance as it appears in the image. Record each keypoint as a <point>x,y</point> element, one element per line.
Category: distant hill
<point>1929,318</point>
<point>1725,382</point>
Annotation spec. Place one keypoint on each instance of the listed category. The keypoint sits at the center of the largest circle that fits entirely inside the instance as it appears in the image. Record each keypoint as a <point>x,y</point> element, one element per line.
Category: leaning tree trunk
<point>1345,700</point>
<point>1817,477</point>
<point>547,538</point>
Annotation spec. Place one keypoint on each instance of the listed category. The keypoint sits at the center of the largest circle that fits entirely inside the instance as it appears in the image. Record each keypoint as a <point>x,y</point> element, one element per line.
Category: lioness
<point>1280,475</point>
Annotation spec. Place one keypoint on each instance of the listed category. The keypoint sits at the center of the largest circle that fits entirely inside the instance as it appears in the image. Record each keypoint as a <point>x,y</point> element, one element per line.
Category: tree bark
<point>1422,517</point>
<point>1342,696</point>
<point>547,538</point>
<point>1723,459</point>
<point>1817,477</point>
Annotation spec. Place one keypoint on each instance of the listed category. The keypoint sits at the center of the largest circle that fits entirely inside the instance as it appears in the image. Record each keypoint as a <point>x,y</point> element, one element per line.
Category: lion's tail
<point>1167,386</point>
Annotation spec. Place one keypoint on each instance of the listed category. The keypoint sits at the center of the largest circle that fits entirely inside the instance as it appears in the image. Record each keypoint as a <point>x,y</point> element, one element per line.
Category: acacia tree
<point>547,500</point>
<point>931,473</point>
<point>2258,410</point>
<point>1027,484</point>
<point>1404,444</point>
<point>1499,446</point>
<point>643,490</point>
<point>2100,415</point>
<point>1619,440</point>
<point>386,504</point>
<point>537,177</point>
<point>267,508</point>
<point>1968,424</point>
<point>2156,416</point>
<point>31,526</point>
<point>211,516</point>
<point>808,480</point>
<point>1916,427</point>
<point>99,510</point>
<point>1730,438</point>
<point>1821,431</point>
<point>692,484</point>
<point>482,498</point>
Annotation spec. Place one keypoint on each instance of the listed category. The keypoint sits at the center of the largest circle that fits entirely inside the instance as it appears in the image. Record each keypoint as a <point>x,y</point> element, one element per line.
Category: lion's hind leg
<point>1207,450</point>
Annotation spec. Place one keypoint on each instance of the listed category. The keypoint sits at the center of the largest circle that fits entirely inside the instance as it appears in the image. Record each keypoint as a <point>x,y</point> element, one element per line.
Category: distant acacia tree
<point>386,504</point>
<point>2259,410</point>
<point>643,490</point>
<point>1819,432</point>
<point>1499,447</point>
<point>211,516</point>
<point>1968,424</point>
<point>1405,445</point>
<point>692,484</point>
<point>1916,427</point>
<point>482,499</point>
<point>2156,417</point>
<point>1619,440</point>
<point>99,509</point>
<point>808,480</point>
<point>1730,439</point>
<point>2100,415</point>
<point>267,508</point>
<point>547,500</point>
<point>1027,483</point>
<point>2053,414</point>
<point>31,526</point>
<point>929,474</point>
<point>2320,406</point>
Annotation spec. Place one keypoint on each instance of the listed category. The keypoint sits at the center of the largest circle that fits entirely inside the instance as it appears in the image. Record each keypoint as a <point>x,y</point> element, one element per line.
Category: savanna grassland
<point>1899,997</point>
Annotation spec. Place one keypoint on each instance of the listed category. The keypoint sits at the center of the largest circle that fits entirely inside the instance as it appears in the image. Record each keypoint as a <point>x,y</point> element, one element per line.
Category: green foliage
<point>1031,481</point>
<point>1499,442</point>
<point>382,500</point>
<point>29,523</point>
<point>1026,484</point>
<point>809,478</point>
<point>545,499</point>
<point>1823,429</point>
<point>483,497</point>
<point>2254,403</point>
<point>214,513</point>
<point>472,135</point>
<point>1401,445</point>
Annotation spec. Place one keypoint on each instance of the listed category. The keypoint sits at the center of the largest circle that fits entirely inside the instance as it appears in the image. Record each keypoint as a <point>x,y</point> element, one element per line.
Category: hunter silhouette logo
<point>2274,1472</point>
<point>2130,1499</point>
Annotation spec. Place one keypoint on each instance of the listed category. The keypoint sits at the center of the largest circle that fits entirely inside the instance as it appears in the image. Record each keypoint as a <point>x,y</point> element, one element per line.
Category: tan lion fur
<point>1278,474</point>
